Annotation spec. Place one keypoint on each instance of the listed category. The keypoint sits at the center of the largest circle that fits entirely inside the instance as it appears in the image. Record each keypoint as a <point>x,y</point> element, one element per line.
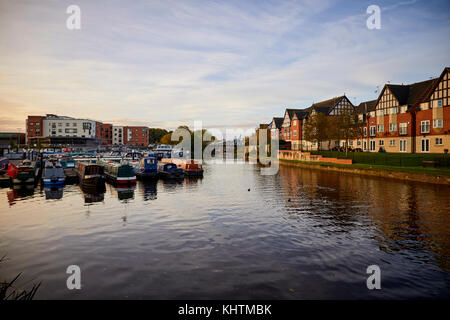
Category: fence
<point>391,159</point>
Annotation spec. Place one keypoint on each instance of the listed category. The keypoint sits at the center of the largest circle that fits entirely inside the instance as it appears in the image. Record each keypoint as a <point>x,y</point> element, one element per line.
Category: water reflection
<point>93,194</point>
<point>19,192</point>
<point>148,189</point>
<point>407,217</point>
<point>54,193</point>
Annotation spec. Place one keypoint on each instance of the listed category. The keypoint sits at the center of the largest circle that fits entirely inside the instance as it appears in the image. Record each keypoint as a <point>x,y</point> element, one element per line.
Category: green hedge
<point>390,159</point>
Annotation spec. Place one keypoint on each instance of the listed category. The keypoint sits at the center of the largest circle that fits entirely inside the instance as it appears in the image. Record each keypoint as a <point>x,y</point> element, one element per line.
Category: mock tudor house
<point>411,118</point>
<point>330,107</point>
<point>392,125</point>
<point>432,117</point>
<point>364,110</point>
<point>275,127</point>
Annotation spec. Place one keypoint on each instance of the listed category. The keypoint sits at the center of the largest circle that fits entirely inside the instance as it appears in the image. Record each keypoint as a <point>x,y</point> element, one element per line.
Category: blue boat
<point>147,168</point>
<point>168,170</point>
<point>53,173</point>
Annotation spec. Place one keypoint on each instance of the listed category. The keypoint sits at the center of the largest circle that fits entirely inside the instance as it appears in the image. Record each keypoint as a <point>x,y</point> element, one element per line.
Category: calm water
<point>302,234</point>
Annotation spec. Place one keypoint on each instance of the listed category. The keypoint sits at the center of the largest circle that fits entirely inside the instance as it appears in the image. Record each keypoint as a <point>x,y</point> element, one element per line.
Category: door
<point>425,145</point>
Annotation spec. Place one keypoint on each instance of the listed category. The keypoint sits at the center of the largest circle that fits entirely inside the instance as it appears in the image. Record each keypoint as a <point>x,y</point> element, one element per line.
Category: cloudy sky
<point>226,63</point>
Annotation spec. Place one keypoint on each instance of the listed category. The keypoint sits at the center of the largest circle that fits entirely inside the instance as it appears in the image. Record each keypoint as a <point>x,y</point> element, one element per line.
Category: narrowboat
<point>5,180</point>
<point>68,164</point>
<point>168,170</point>
<point>119,173</point>
<point>90,174</point>
<point>26,172</point>
<point>190,167</point>
<point>147,168</point>
<point>53,173</point>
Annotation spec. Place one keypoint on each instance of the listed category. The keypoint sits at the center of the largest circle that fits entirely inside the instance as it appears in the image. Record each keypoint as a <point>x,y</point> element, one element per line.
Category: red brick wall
<point>31,127</point>
<point>428,115</point>
<point>138,137</point>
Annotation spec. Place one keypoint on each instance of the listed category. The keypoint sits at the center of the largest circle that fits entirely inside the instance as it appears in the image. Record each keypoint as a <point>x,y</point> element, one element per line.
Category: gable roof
<point>327,105</point>
<point>276,123</point>
<point>366,106</point>
<point>291,112</point>
<point>410,94</point>
<point>302,113</point>
<point>436,83</point>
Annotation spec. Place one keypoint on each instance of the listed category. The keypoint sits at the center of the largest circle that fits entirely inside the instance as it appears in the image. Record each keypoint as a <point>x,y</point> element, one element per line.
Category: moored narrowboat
<point>190,167</point>
<point>68,164</point>
<point>4,178</point>
<point>90,174</point>
<point>25,173</point>
<point>168,170</point>
<point>147,168</point>
<point>119,173</point>
<point>53,173</point>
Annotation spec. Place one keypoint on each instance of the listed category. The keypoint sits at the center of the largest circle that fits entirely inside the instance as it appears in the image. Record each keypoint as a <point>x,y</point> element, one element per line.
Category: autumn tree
<point>316,128</point>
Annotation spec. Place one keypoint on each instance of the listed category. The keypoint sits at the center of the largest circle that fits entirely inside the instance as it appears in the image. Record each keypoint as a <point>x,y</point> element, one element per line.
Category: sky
<point>227,63</point>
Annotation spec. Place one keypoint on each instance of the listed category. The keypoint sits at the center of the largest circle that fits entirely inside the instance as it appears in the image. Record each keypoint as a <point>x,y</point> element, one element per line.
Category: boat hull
<point>147,175</point>
<point>120,180</point>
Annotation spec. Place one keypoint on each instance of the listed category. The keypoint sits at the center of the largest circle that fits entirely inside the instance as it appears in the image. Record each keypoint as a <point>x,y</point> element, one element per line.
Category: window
<point>394,110</point>
<point>437,123</point>
<point>381,128</point>
<point>381,142</point>
<point>403,128</point>
<point>438,141</point>
<point>365,131</point>
<point>358,142</point>
<point>37,124</point>
<point>295,122</point>
<point>59,124</point>
<point>438,103</point>
<point>425,147</point>
<point>313,143</point>
<point>392,127</point>
<point>74,124</point>
<point>392,143</point>
<point>372,131</point>
<point>425,126</point>
<point>67,124</point>
<point>372,145</point>
<point>59,130</point>
<point>402,145</point>
<point>295,133</point>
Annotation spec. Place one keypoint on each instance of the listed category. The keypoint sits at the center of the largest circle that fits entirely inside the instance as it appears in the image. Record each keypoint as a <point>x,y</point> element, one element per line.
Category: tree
<point>316,128</point>
<point>155,134</point>
<point>347,126</point>
<point>167,139</point>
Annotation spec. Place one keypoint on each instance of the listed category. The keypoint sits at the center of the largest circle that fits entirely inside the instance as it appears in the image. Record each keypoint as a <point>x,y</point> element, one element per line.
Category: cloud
<point>227,63</point>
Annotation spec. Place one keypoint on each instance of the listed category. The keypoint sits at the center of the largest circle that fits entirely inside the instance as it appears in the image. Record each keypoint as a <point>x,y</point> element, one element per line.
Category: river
<point>235,234</point>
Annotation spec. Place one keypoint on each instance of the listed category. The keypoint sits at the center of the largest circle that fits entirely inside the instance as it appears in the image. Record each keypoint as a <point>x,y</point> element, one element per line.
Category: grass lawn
<point>426,170</point>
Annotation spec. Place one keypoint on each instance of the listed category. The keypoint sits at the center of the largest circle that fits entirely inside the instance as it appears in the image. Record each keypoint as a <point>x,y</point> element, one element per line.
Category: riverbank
<point>419,174</point>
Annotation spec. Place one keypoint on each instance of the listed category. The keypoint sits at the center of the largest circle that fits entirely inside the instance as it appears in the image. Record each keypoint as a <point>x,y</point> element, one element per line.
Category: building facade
<point>412,118</point>
<point>34,127</point>
<point>137,136</point>
<point>117,135</point>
